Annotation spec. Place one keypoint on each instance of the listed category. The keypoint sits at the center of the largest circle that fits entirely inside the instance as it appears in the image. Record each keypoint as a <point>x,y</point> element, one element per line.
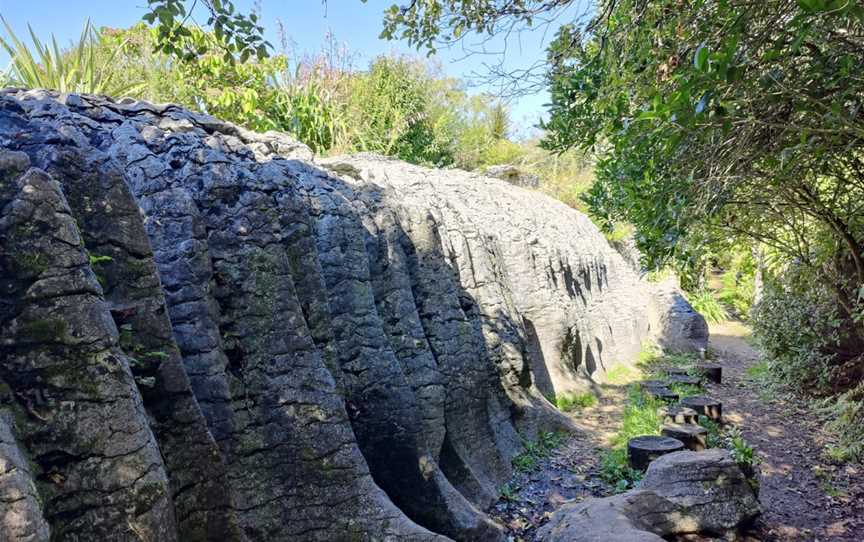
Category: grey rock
<point>681,329</point>
<point>708,485</point>
<point>207,336</point>
<point>682,493</point>
<point>513,175</point>
<point>21,516</point>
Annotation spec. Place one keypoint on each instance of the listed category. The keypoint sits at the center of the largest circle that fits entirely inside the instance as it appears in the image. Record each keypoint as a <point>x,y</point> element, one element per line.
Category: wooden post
<point>694,437</point>
<point>643,450</point>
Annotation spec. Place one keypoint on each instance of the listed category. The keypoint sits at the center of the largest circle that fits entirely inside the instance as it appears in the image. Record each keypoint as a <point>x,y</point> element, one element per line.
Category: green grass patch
<point>567,402</point>
<point>639,418</point>
<point>615,470</point>
<point>622,374</point>
<point>685,390</point>
<point>760,372</point>
<point>534,451</point>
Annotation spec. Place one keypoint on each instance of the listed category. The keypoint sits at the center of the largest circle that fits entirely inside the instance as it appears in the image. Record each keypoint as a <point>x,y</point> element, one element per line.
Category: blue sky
<point>306,22</point>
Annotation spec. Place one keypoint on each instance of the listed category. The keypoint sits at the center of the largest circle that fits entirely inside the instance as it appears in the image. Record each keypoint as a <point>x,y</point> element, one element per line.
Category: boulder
<point>682,493</point>
<point>683,329</point>
<point>205,335</point>
<point>709,487</point>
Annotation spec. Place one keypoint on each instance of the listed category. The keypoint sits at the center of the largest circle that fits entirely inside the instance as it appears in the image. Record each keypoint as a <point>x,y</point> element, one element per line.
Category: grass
<point>706,303</point>
<point>534,451</point>
<point>568,402</point>
<point>615,470</point>
<point>639,418</point>
<point>845,413</point>
<point>622,374</point>
<point>759,372</point>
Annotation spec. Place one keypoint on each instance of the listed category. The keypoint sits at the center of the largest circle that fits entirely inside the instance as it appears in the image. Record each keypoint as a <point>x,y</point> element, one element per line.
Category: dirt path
<point>804,498</point>
<point>570,474</point>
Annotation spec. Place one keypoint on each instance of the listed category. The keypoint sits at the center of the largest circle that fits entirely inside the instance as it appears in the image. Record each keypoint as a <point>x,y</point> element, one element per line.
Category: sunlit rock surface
<point>206,335</point>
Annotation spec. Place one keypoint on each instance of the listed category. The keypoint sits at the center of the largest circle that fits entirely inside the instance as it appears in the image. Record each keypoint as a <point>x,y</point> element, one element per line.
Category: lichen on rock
<point>208,336</point>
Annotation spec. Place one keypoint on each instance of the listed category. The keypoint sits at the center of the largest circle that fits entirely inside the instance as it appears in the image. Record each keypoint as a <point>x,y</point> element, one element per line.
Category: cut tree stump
<point>685,379</point>
<point>677,414</point>
<point>643,450</point>
<point>648,384</point>
<point>663,393</point>
<point>706,406</point>
<point>714,373</point>
<point>694,437</point>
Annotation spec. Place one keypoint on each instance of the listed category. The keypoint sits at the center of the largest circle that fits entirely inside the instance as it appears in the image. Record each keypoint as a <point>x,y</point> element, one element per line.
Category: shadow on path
<point>804,498</point>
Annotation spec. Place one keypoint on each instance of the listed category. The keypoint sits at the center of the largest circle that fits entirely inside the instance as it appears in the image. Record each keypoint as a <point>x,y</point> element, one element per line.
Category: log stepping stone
<point>643,450</point>
<point>677,414</point>
<point>678,371</point>
<point>714,373</point>
<point>685,379</point>
<point>694,437</point>
<point>648,384</point>
<point>663,393</point>
<point>705,406</point>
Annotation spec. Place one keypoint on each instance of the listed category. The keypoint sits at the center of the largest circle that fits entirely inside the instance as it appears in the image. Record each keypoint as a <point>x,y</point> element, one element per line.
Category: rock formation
<point>682,493</point>
<point>206,335</point>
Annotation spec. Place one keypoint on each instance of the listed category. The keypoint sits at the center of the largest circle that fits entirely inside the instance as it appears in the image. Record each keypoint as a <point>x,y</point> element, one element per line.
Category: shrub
<point>846,420</point>
<point>78,69</point>
<point>796,325</point>
<point>705,303</point>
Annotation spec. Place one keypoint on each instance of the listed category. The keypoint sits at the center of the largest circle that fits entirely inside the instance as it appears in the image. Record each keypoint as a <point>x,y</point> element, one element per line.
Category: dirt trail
<point>804,498</point>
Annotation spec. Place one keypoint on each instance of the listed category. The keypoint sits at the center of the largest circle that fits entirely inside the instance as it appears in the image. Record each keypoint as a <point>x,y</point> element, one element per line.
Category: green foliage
<point>845,419</point>
<point>238,36</point>
<point>705,303</point>
<point>569,401</point>
<point>797,325</point>
<point>615,470</point>
<point>534,451</point>
<point>508,493</point>
<point>730,122</point>
<point>741,451</point>
<point>715,437</point>
<point>640,416</point>
<point>78,69</point>
<point>738,282</point>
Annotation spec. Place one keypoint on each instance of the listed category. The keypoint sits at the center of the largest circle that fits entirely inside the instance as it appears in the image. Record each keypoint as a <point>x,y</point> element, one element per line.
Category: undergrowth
<point>534,451</point>
<point>706,303</point>
<point>567,402</point>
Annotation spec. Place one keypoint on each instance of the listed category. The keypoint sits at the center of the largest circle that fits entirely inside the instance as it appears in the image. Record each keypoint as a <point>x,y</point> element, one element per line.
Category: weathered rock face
<point>206,336</point>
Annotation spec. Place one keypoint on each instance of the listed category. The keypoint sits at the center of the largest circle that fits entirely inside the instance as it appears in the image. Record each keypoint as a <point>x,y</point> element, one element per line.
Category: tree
<point>238,34</point>
<point>725,118</point>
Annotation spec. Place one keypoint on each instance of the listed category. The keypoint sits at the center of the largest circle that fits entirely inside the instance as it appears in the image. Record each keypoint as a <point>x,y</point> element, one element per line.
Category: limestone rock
<point>682,493</point>
<point>708,485</point>
<point>205,335</point>
<point>683,329</point>
<point>513,175</point>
